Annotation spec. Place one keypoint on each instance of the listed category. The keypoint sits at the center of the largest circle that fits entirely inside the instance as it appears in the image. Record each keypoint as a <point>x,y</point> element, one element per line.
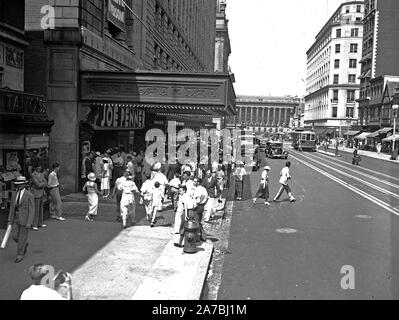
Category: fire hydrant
<point>190,236</point>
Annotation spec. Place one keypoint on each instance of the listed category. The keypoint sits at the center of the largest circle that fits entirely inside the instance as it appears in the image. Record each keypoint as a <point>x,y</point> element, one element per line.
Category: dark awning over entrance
<point>170,92</point>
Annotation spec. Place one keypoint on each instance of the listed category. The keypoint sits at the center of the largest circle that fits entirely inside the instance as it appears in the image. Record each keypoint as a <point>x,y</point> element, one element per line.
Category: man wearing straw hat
<point>22,213</point>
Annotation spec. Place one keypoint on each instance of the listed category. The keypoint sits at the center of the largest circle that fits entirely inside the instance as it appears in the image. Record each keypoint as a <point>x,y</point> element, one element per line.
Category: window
<point>334,112</point>
<point>355,32</point>
<point>352,63</point>
<point>352,78</point>
<point>349,112</point>
<point>336,63</point>
<point>338,33</point>
<point>335,96</point>
<point>347,9</point>
<point>336,79</point>
<point>358,8</point>
<point>337,48</point>
<point>353,48</point>
<point>351,96</point>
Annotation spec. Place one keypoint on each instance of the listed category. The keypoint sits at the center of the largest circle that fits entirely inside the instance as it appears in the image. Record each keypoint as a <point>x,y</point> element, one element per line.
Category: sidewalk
<point>363,153</point>
<point>106,261</point>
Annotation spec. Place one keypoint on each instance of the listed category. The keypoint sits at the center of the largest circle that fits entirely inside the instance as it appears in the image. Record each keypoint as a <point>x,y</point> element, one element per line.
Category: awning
<point>330,131</point>
<point>379,132</point>
<point>391,138</point>
<point>365,75</point>
<point>319,131</point>
<point>351,133</point>
<point>366,57</point>
<point>362,136</point>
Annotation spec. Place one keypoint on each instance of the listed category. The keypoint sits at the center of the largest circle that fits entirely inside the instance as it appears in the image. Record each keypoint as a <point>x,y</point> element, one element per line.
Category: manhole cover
<point>286,230</point>
<point>363,216</point>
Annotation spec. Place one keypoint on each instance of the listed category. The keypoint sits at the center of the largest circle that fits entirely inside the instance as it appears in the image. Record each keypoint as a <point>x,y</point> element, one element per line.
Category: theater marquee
<point>116,117</point>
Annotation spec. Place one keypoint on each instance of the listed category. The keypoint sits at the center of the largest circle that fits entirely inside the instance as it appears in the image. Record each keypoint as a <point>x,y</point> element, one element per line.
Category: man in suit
<point>39,182</point>
<point>22,213</point>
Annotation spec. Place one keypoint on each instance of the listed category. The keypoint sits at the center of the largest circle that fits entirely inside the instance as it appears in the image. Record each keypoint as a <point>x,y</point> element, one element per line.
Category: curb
<point>172,276</point>
<point>360,154</point>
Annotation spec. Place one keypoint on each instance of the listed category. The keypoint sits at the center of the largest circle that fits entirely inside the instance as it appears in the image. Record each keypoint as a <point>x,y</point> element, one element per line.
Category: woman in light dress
<point>90,188</point>
<point>106,174</point>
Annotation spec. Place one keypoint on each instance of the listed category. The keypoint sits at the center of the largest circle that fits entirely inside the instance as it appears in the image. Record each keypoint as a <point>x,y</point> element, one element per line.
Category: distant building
<point>263,114</point>
<point>332,84</point>
<point>379,63</point>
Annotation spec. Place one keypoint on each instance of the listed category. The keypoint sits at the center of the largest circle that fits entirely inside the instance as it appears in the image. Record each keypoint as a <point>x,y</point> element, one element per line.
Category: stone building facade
<point>94,37</point>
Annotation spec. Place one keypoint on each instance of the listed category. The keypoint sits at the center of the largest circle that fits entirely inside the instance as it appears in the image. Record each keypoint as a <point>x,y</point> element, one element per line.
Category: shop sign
<point>116,13</point>
<point>22,103</point>
<point>108,117</point>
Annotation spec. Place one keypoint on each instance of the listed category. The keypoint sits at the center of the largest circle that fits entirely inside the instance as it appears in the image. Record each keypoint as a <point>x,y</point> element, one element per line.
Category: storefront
<point>24,138</point>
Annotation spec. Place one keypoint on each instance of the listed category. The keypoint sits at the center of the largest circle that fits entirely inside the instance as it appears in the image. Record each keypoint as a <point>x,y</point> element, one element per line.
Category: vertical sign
<point>116,13</point>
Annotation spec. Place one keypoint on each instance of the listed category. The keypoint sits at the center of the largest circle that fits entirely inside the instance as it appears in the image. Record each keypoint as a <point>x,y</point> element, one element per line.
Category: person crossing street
<point>284,177</point>
<point>263,191</point>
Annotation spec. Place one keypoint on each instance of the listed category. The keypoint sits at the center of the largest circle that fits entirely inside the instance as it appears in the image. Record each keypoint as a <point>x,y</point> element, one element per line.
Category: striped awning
<point>379,132</point>
<point>351,133</point>
<point>391,138</point>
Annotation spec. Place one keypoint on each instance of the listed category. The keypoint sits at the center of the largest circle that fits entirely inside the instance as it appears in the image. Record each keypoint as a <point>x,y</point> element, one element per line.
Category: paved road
<point>344,215</point>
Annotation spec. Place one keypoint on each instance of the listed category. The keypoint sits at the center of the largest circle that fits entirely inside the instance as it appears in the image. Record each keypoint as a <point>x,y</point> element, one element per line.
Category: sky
<point>269,40</point>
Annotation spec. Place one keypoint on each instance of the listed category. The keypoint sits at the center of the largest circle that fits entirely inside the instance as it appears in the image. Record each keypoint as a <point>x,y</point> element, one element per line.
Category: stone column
<point>263,117</point>
<point>268,117</point>
<point>274,117</point>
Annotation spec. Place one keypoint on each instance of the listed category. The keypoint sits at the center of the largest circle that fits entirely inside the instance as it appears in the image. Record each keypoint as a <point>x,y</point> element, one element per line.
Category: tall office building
<point>332,84</point>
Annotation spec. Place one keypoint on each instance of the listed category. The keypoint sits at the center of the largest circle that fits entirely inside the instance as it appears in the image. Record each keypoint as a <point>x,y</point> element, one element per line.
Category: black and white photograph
<point>199,155</point>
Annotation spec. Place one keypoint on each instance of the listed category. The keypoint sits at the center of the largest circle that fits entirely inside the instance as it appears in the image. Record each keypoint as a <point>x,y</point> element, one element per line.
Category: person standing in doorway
<point>38,184</point>
<point>21,215</point>
<point>263,191</point>
<point>90,188</point>
<point>284,177</point>
<point>54,186</point>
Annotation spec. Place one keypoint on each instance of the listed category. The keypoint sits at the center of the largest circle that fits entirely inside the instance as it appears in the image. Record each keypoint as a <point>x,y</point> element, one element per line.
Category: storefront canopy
<point>391,138</point>
<point>351,133</point>
<point>362,136</point>
<point>379,132</point>
<point>161,91</point>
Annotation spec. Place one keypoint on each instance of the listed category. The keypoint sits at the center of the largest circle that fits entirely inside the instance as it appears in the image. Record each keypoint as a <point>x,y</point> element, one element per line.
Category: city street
<point>344,215</point>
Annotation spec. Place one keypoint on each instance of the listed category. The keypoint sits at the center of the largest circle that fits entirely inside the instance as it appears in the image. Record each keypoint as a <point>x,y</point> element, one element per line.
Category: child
<point>90,188</point>
<point>174,185</point>
<point>156,201</point>
<point>263,191</point>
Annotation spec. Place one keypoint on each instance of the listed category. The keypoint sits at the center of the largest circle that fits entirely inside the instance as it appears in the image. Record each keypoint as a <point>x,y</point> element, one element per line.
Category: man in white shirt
<point>201,197</point>
<point>284,177</point>
<point>38,291</point>
<point>118,191</point>
<point>54,186</point>
<point>188,182</point>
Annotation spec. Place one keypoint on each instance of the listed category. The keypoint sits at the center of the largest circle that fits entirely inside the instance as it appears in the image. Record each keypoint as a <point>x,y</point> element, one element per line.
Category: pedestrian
<point>210,185</point>
<point>179,215</point>
<point>220,182</point>
<point>38,291</point>
<point>38,183</point>
<point>201,197</point>
<point>174,185</point>
<point>54,187</point>
<point>157,196</point>
<point>356,158</point>
<point>263,191</point>
<point>118,191</point>
<point>284,177</point>
<point>117,159</point>
<point>87,166</point>
<point>185,211</point>
<point>105,178</point>
<point>129,164</point>
<point>158,175</point>
<point>239,174</point>
<point>90,188</point>
<point>21,215</point>
<point>128,203</point>
<point>379,147</point>
<point>98,160</point>
<point>147,194</point>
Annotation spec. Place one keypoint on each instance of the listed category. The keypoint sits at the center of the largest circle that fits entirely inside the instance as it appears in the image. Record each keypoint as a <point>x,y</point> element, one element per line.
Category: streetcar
<point>303,140</point>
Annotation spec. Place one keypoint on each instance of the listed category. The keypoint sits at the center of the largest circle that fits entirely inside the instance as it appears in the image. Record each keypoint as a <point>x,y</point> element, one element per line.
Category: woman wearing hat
<point>90,188</point>
<point>263,191</point>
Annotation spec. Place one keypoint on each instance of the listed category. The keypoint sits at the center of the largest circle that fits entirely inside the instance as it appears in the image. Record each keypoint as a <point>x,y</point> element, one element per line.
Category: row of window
<point>358,8</point>
<point>352,63</point>
<point>354,32</point>
<point>351,78</point>
<point>350,96</point>
<point>353,48</point>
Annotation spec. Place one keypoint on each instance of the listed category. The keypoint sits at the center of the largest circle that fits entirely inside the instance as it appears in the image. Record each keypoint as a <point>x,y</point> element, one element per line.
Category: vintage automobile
<point>274,149</point>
